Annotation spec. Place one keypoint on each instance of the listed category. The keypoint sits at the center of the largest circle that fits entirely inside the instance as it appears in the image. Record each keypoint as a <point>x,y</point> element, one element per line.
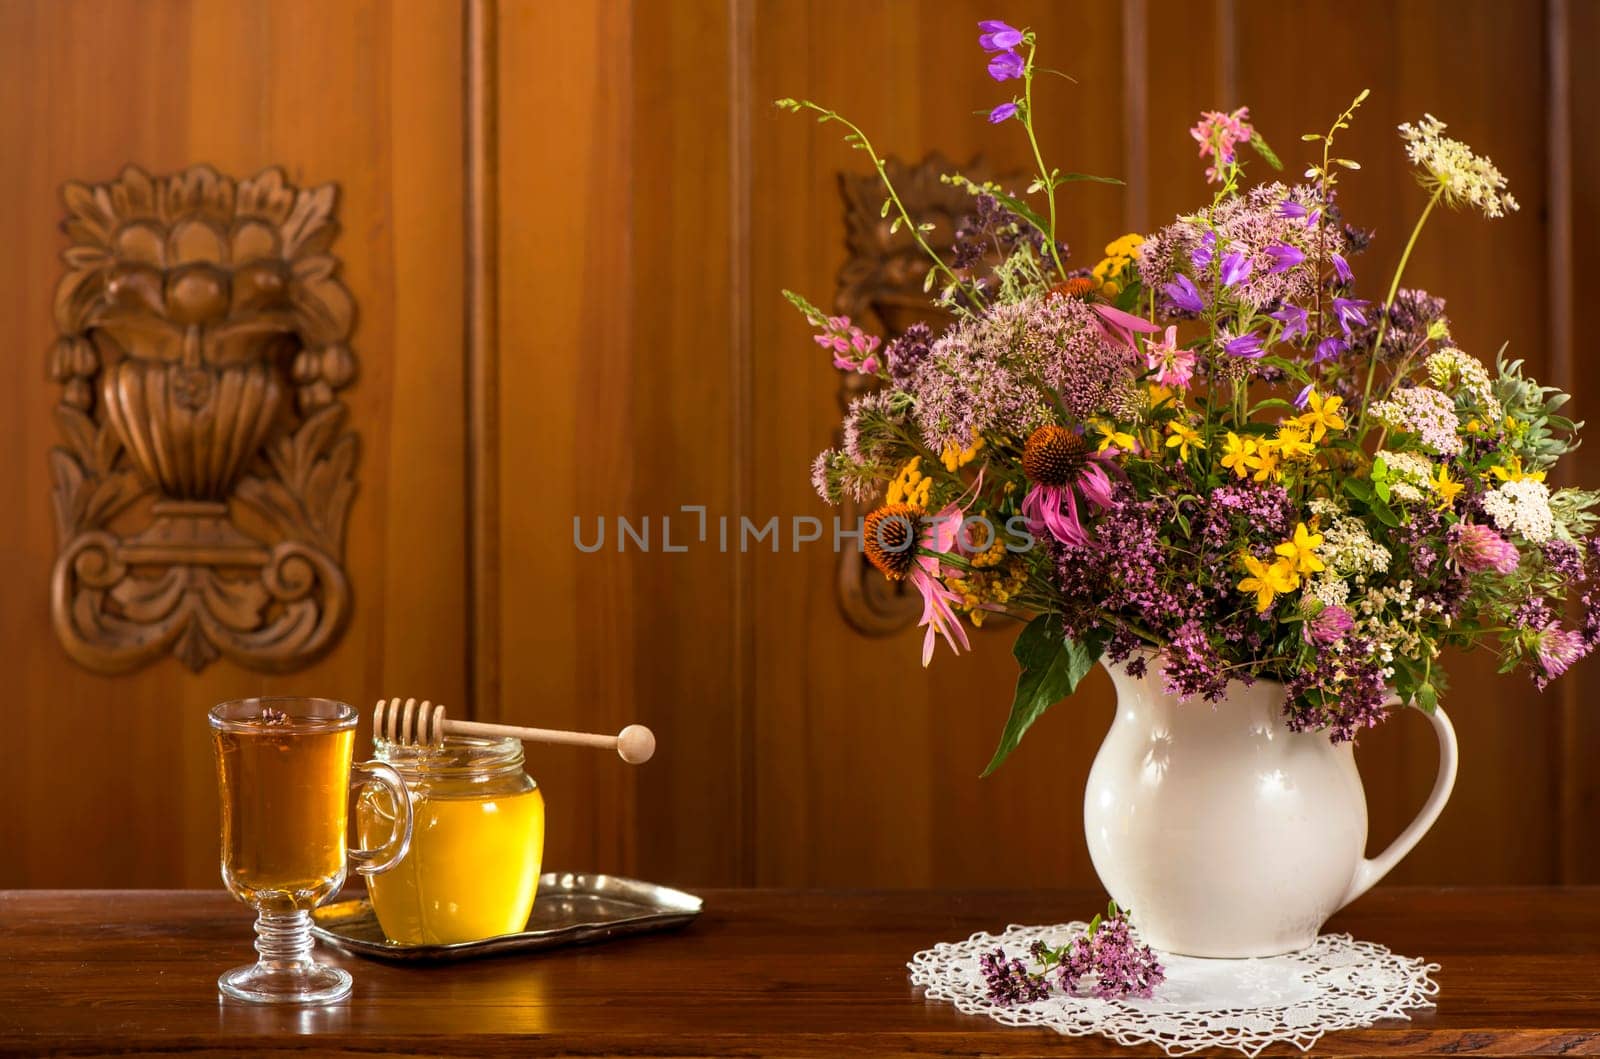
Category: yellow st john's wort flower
<point>1322,415</point>
<point>910,486</point>
<point>1265,462</point>
<point>1445,487</point>
<point>1511,471</point>
<point>1110,436</point>
<point>1291,443</point>
<point>1239,454</point>
<point>1183,437</point>
<point>1267,581</point>
<point>955,458</point>
<point>1300,550</point>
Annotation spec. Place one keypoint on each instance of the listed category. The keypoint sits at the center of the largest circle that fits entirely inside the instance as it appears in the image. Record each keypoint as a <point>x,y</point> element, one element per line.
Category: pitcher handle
<point>1372,869</point>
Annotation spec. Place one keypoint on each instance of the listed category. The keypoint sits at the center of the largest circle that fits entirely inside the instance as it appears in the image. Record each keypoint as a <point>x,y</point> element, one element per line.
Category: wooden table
<point>760,973</point>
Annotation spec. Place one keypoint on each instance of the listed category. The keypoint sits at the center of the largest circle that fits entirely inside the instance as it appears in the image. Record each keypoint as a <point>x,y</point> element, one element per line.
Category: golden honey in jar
<point>476,844</point>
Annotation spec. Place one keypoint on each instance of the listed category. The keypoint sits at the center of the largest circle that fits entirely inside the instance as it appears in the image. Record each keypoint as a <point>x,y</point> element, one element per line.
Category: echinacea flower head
<point>1064,471</point>
<point>889,539</point>
<point>1450,169</point>
<point>1477,549</point>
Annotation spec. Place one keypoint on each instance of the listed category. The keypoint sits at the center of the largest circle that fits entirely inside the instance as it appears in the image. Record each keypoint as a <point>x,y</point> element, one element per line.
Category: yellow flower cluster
<point>955,458</point>
<point>1120,253</point>
<point>910,486</point>
<point>994,585</point>
<point>1260,458</point>
<point>1294,559</point>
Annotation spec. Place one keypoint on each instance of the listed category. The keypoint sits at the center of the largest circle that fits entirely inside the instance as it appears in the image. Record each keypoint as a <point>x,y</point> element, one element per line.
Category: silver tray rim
<point>669,908</point>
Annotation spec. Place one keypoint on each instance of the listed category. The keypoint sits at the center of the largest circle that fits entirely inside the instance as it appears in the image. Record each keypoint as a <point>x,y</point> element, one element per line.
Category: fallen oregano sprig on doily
<point>1105,957</point>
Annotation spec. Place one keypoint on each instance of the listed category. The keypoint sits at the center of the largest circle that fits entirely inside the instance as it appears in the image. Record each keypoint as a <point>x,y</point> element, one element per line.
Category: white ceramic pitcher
<point>1226,834</point>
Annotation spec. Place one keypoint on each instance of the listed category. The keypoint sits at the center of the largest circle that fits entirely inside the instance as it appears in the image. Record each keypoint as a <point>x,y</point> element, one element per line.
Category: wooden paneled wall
<point>109,780</point>
<point>565,227</point>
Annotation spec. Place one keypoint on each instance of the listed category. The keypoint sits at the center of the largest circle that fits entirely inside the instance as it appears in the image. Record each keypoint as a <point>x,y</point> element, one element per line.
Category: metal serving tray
<point>571,910</point>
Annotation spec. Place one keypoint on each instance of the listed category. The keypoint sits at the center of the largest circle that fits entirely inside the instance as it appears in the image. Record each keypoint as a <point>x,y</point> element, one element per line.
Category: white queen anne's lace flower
<point>1348,548</point>
<point>1450,167</point>
<point>1522,507</point>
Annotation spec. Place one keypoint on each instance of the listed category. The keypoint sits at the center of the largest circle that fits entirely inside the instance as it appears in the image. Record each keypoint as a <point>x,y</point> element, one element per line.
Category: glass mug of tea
<point>284,769</point>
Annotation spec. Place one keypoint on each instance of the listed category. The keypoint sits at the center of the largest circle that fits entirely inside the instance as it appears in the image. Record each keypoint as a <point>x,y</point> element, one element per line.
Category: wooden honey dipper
<point>426,724</point>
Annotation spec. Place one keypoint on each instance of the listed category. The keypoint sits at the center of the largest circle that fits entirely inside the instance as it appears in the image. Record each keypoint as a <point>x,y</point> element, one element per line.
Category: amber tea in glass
<point>283,768</point>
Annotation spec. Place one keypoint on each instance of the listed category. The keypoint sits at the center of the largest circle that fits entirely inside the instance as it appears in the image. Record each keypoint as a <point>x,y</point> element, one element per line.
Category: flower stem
<point>1038,157</point>
<point>858,139</point>
<point>1388,303</point>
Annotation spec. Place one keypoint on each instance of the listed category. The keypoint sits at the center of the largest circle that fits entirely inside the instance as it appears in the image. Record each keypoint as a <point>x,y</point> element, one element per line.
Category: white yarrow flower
<point>1522,507</point>
<point>1449,166</point>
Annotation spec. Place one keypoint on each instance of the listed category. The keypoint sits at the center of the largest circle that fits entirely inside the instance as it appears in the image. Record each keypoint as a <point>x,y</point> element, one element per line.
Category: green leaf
<point>1427,697</point>
<point>1094,924</point>
<point>1053,664</point>
<point>1384,513</point>
<point>1069,178</point>
<point>1359,488</point>
<point>1264,151</point>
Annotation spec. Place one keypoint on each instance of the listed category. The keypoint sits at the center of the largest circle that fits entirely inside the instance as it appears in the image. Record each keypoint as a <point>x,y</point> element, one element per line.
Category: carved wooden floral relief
<point>881,288</point>
<point>205,473</point>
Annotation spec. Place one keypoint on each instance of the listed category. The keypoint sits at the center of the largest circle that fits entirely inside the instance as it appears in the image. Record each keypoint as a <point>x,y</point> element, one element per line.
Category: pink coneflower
<point>1328,626</point>
<point>938,616</point>
<point>1476,549</point>
<point>1063,467</point>
<point>1173,365</point>
<point>889,540</point>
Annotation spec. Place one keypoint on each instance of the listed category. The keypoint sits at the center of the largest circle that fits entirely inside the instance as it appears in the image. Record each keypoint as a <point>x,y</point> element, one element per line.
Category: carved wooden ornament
<point>883,279</point>
<point>201,493</point>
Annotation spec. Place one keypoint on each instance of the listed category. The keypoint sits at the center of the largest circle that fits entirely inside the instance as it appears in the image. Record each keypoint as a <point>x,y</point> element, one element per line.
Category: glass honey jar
<point>476,845</point>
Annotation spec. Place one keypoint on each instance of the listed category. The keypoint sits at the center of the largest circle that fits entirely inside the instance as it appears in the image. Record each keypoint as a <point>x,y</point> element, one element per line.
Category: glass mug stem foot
<point>285,973</point>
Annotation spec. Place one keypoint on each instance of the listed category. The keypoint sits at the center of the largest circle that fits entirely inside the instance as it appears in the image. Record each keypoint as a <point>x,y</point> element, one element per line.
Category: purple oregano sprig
<point>1105,959</point>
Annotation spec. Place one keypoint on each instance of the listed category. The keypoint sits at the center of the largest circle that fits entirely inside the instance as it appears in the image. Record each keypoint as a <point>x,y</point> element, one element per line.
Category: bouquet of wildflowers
<point>1210,446</point>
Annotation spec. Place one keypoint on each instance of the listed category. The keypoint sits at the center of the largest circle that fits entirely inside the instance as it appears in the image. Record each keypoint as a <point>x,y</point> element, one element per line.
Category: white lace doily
<point>1337,984</point>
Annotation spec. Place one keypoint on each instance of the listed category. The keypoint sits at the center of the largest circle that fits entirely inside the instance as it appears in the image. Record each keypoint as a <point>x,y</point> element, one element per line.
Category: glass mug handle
<point>377,861</point>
